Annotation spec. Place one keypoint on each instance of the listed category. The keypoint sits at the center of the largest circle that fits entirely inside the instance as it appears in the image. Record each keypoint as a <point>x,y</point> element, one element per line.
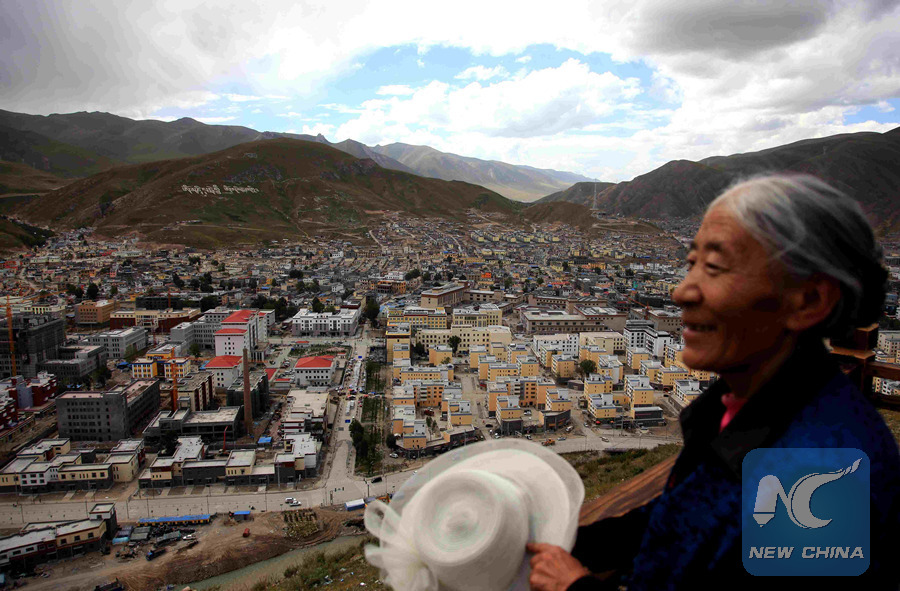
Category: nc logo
<point>796,502</point>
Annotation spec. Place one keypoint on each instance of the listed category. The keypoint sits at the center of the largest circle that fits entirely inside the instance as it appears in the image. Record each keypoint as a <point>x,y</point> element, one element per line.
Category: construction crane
<point>172,373</point>
<point>646,307</point>
<point>12,344</point>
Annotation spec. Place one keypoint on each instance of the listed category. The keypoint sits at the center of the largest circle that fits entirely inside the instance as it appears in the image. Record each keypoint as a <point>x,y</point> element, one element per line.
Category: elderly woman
<point>779,263</point>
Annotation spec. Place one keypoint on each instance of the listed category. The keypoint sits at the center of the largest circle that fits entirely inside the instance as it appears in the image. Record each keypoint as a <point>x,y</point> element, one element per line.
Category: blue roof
<point>265,440</point>
<point>200,517</point>
<point>242,512</point>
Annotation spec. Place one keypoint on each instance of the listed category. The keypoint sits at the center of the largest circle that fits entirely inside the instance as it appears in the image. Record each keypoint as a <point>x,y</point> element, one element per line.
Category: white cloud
<point>242,98</point>
<point>339,108</point>
<point>543,102</point>
<point>737,76</point>
<point>255,111</point>
<point>395,89</point>
<point>318,128</point>
<point>523,60</point>
<point>289,114</point>
<point>482,73</point>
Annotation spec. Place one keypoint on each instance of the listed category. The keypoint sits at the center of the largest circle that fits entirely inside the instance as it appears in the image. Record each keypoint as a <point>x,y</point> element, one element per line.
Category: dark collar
<point>761,421</point>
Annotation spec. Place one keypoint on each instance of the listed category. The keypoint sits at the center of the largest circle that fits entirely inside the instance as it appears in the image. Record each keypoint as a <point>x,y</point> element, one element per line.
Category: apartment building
<point>478,315</point>
<point>542,322</point>
<point>37,338</point>
<point>304,412</point>
<point>121,343</point>
<point>418,317</point>
<point>107,416</point>
<point>343,322</point>
<point>445,296</point>
<point>30,392</point>
<point>562,366</point>
<point>611,341</point>
<point>225,369</point>
<point>545,346</point>
<point>315,370</point>
<point>395,335</point>
<point>469,336</point>
<point>94,312</point>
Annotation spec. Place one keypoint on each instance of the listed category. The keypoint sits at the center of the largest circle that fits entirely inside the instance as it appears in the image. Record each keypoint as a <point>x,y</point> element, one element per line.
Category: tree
<point>454,342</point>
<point>426,276</point>
<point>168,441</point>
<point>178,281</point>
<point>317,306</point>
<point>371,310</point>
<point>195,284</point>
<point>587,367</point>
<point>330,309</point>
<point>113,291</point>
<point>412,274</point>
<point>74,290</point>
<point>507,283</point>
<point>208,303</point>
<point>295,274</point>
<point>565,266</point>
<point>391,441</point>
<point>252,283</point>
<point>419,350</point>
<point>195,350</point>
<point>93,290</point>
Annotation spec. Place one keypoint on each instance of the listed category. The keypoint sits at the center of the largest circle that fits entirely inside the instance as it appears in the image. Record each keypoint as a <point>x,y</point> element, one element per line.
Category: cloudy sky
<point>607,89</point>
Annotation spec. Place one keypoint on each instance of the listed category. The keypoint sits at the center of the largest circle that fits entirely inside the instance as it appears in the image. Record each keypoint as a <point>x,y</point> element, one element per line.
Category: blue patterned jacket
<point>690,536</point>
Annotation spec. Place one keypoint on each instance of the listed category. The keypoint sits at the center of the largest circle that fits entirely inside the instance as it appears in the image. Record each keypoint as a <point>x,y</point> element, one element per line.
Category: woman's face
<point>731,300</point>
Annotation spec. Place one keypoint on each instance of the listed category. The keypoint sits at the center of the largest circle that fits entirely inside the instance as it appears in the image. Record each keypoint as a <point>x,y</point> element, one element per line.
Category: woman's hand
<point>552,568</point>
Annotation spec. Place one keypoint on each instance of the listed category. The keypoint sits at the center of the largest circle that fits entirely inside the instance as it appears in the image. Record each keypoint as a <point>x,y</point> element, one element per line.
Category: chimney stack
<point>248,406</point>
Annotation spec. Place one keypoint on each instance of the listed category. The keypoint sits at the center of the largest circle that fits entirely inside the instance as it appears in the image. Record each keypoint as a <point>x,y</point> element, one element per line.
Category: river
<point>244,578</point>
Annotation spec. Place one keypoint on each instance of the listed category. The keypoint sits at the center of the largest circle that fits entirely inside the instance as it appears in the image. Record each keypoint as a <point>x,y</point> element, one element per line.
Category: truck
<point>246,532</point>
<point>155,553</point>
<point>355,505</point>
<point>549,442</point>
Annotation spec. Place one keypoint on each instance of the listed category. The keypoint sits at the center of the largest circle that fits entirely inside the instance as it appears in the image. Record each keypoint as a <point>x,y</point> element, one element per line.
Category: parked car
<point>376,479</point>
<point>604,440</point>
<point>296,504</point>
<point>289,500</point>
<point>395,456</point>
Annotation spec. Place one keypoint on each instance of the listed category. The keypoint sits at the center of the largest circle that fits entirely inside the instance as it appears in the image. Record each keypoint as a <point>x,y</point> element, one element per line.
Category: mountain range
<point>80,144</point>
<point>865,165</point>
<point>135,171</point>
<point>257,191</point>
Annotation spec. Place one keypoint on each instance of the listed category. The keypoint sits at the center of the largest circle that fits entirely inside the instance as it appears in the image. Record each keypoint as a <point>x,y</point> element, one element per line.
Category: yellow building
<point>558,400</point>
<point>597,384</point>
<point>601,408</point>
<point>177,368</point>
<point>125,466</point>
<point>528,366</point>
<point>396,335</point>
<point>418,318</point>
<point>440,354</point>
<point>670,374</point>
<point>634,357</point>
<point>611,341</point>
<point>516,350</point>
<point>562,366</point>
<point>479,315</point>
<point>474,353</point>
<point>144,368</point>
<point>419,372</point>
<point>401,351</point>
<point>498,370</point>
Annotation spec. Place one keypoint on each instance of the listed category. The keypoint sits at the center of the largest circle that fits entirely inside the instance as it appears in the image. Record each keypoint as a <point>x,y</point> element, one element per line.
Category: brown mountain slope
<point>865,165</point>
<point>257,191</point>
<point>573,214</point>
<point>21,178</point>
<point>581,193</point>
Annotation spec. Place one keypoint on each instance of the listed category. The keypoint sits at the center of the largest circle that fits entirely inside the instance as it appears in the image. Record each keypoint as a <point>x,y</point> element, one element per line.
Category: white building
<point>341,323</point>
<point>226,369</point>
<point>315,371</point>
<point>121,342</point>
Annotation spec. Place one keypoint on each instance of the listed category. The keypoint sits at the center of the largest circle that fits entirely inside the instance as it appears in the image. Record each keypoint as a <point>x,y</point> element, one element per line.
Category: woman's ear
<point>811,302</point>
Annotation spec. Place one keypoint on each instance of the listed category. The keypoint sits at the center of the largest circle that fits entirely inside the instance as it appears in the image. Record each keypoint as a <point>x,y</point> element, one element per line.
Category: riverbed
<point>273,568</point>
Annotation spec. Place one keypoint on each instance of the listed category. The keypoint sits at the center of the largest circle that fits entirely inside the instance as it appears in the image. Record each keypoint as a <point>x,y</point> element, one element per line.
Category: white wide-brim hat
<point>463,521</point>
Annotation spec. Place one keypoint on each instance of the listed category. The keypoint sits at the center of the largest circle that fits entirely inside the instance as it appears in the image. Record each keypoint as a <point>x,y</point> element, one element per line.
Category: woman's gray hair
<point>811,228</point>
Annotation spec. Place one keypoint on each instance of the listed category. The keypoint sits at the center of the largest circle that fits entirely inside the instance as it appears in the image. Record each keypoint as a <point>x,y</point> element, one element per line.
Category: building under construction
<point>35,338</point>
<point>107,416</point>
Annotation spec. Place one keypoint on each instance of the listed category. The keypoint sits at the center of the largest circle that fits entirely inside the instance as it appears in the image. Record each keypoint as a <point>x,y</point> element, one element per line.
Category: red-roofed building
<point>226,369</point>
<point>243,329</point>
<point>315,371</point>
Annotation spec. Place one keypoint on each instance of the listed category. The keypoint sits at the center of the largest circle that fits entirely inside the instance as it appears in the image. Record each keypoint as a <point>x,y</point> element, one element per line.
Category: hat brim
<point>554,489</point>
